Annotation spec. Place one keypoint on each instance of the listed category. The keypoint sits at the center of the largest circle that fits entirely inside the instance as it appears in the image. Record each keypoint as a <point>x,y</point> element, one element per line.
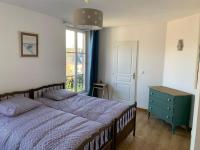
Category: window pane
<point>70,71</point>
<point>70,64</point>
<point>80,82</point>
<point>80,72</point>
<point>70,40</point>
<point>70,83</point>
<point>81,42</point>
<point>80,63</point>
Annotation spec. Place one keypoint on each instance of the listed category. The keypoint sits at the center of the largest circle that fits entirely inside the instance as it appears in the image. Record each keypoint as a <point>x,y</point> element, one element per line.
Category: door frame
<point>137,62</point>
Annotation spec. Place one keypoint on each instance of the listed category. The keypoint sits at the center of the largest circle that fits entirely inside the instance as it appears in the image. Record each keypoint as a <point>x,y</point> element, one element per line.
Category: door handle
<point>134,75</point>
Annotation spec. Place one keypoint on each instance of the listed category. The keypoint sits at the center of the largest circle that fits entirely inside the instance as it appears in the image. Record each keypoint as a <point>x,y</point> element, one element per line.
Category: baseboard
<point>142,109</point>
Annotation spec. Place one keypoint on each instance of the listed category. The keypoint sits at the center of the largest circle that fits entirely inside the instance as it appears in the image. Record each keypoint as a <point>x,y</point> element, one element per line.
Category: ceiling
<point>116,12</point>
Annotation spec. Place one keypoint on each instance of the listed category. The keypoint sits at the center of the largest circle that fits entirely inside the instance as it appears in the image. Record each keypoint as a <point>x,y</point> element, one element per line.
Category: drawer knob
<point>151,93</point>
<point>167,117</point>
<point>168,108</point>
<point>150,108</point>
<point>168,99</point>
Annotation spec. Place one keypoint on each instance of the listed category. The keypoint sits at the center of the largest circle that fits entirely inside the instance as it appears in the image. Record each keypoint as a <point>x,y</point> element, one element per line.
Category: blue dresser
<point>170,105</point>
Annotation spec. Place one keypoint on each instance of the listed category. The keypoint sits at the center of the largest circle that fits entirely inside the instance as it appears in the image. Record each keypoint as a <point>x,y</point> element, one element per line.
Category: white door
<point>125,71</point>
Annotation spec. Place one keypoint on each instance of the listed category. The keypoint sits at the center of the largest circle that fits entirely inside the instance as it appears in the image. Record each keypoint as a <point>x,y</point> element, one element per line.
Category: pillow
<point>17,105</point>
<point>59,95</point>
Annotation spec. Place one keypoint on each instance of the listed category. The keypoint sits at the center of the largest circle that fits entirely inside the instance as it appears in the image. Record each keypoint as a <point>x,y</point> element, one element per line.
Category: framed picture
<point>29,44</point>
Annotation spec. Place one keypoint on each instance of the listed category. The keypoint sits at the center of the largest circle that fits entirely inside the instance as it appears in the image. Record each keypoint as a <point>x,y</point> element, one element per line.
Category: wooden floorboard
<point>154,134</point>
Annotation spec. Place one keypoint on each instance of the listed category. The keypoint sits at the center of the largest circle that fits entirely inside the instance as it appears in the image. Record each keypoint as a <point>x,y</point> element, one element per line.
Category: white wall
<point>151,54</point>
<point>18,73</point>
<point>180,66</point>
<point>195,145</point>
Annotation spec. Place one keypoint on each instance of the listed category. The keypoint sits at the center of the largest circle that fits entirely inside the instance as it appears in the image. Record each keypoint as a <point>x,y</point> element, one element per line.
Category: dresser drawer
<point>162,97</point>
<point>167,108</point>
<point>160,113</point>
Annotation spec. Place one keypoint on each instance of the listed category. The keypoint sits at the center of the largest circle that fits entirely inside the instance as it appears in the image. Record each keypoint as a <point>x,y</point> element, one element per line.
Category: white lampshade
<point>88,19</point>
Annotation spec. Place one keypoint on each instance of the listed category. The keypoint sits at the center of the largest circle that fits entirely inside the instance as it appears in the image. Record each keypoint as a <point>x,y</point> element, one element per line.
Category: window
<point>75,61</point>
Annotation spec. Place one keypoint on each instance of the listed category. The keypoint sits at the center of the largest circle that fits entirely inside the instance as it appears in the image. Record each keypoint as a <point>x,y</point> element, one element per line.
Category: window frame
<point>76,31</point>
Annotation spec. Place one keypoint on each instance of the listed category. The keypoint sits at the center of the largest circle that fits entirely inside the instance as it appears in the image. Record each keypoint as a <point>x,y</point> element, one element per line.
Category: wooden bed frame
<point>90,142</point>
<point>12,94</point>
<point>118,136</point>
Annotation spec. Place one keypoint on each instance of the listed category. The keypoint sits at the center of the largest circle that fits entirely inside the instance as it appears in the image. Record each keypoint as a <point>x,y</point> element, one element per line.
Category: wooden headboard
<point>12,94</point>
<point>39,92</point>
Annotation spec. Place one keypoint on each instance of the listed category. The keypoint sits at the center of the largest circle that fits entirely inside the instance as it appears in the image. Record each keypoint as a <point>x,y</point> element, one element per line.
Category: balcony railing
<point>70,83</point>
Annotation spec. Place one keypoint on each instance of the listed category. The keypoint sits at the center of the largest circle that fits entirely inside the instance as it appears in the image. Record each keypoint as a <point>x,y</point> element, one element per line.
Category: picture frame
<point>29,44</point>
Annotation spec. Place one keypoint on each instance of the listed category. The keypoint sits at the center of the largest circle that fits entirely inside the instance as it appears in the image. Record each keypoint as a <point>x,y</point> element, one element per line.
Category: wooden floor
<point>154,134</point>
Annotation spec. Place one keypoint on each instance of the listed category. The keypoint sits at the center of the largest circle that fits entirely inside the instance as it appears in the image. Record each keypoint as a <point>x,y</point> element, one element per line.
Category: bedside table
<point>101,86</point>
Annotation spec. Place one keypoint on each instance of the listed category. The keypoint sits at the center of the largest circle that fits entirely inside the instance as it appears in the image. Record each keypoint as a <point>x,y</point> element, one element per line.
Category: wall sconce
<point>180,45</point>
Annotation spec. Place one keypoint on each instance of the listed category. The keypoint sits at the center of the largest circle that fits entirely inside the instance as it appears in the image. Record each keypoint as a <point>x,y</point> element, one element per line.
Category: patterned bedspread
<point>45,128</point>
<point>96,109</point>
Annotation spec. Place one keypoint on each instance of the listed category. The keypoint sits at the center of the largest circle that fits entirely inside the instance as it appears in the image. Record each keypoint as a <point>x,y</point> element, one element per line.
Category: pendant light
<point>88,18</point>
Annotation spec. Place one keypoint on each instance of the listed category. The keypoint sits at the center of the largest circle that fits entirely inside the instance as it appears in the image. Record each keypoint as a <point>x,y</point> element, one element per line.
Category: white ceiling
<point>116,12</point>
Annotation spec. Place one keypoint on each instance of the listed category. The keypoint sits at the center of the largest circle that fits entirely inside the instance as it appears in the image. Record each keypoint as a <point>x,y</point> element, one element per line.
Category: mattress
<point>92,108</point>
<point>45,128</point>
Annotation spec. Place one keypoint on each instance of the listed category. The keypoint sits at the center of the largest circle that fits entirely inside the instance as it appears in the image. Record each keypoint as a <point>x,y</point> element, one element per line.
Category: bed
<point>44,128</point>
<point>99,110</point>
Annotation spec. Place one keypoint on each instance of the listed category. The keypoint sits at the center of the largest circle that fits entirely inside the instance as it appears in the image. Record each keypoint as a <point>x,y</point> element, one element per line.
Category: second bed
<point>92,108</point>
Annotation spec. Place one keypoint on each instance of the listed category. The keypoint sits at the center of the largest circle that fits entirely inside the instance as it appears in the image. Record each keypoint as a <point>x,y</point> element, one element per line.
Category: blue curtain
<point>93,60</point>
